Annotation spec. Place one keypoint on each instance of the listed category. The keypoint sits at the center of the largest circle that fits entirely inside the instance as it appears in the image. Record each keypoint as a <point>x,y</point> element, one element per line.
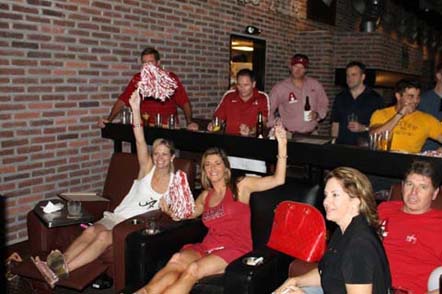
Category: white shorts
<point>110,220</point>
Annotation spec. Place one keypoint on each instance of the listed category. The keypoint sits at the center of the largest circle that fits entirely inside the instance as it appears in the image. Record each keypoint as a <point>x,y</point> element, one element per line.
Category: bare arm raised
<point>254,184</point>
<point>144,158</point>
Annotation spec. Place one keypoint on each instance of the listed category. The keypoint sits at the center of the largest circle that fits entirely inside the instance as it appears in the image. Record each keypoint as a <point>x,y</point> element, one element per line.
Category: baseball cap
<point>300,59</point>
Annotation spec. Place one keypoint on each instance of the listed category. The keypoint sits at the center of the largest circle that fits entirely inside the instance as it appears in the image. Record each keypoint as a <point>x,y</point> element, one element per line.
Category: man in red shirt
<point>239,107</point>
<point>413,231</point>
<point>150,105</point>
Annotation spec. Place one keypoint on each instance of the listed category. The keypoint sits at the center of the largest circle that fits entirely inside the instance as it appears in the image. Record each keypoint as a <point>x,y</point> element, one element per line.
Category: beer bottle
<point>307,109</point>
<point>259,126</point>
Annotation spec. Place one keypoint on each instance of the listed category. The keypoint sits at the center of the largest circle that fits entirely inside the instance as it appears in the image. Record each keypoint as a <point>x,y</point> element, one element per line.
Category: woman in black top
<point>355,261</point>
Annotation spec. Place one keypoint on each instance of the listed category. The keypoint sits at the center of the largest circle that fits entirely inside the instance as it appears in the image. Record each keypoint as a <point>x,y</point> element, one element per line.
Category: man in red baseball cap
<point>289,97</point>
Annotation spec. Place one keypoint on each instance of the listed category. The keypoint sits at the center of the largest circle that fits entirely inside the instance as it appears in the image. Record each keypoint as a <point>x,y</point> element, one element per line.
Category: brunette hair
<point>151,50</point>
<point>426,169</point>
<point>205,182</point>
<point>359,64</point>
<point>405,84</point>
<point>169,144</point>
<point>245,72</point>
<point>357,185</point>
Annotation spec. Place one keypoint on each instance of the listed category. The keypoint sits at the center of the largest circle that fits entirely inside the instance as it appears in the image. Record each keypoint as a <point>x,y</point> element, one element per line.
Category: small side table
<point>60,218</point>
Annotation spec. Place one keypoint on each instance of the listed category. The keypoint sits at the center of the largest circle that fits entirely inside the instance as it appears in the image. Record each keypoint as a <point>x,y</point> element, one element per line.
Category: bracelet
<point>282,156</point>
<point>138,125</point>
<point>400,114</point>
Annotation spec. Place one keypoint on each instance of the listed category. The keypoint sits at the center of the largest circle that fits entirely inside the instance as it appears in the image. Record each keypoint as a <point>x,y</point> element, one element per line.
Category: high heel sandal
<point>53,269</point>
<point>57,264</point>
<point>45,271</point>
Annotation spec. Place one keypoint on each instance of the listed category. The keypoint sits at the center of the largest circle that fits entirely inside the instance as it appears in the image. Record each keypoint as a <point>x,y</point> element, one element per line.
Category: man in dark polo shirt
<point>431,103</point>
<point>353,107</point>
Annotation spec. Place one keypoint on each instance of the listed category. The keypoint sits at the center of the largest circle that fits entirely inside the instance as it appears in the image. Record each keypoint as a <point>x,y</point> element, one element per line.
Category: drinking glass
<point>158,120</point>
<point>352,117</point>
<point>373,141</point>
<point>216,125</point>
<point>125,116</point>
<point>389,137</point>
<point>145,117</point>
<point>74,208</point>
<point>384,141</point>
<point>152,226</point>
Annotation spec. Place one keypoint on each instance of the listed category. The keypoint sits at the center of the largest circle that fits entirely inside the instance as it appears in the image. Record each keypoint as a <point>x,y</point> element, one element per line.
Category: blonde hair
<point>169,145</point>
<point>357,185</point>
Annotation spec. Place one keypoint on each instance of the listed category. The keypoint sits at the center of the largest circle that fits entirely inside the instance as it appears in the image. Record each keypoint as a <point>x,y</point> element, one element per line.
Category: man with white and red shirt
<point>413,231</point>
<point>239,107</point>
<point>289,97</point>
<point>150,105</point>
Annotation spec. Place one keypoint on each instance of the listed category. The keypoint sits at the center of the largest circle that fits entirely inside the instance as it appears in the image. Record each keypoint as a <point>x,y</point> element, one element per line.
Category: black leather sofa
<point>145,255</point>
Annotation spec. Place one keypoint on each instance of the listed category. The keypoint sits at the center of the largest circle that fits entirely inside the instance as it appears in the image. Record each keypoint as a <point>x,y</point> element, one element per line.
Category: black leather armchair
<point>145,256</point>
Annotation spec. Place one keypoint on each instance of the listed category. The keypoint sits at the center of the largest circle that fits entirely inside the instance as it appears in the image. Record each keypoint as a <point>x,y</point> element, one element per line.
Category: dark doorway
<point>247,52</point>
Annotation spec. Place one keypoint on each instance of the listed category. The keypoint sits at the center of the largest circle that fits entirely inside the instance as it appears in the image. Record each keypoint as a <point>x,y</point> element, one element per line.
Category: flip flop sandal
<point>45,271</point>
<point>57,264</point>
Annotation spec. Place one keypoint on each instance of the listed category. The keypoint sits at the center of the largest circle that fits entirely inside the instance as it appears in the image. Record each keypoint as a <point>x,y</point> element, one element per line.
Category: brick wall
<point>63,64</point>
<point>376,50</point>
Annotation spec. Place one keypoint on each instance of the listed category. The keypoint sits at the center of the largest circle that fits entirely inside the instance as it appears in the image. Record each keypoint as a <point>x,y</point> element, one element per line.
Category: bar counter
<point>326,156</point>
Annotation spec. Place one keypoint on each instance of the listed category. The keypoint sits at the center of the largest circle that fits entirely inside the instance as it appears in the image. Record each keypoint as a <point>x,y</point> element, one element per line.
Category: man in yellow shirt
<point>410,127</point>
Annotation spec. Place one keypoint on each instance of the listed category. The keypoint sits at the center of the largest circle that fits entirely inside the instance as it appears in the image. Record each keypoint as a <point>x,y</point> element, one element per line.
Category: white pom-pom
<point>156,83</point>
<point>180,198</point>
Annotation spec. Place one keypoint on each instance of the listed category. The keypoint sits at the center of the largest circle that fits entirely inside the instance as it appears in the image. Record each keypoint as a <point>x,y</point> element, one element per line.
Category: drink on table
<point>158,121</point>
<point>259,126</point>
<point>307,110</point>
<point>216,126</point>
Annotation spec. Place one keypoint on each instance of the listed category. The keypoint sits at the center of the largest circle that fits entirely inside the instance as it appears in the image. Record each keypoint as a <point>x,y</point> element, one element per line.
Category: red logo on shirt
<point>214,213</point>
<point>292,97</point>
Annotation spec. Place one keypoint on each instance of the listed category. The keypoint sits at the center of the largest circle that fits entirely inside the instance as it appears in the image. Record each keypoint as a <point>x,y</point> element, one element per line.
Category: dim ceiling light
<point>242,48</point>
